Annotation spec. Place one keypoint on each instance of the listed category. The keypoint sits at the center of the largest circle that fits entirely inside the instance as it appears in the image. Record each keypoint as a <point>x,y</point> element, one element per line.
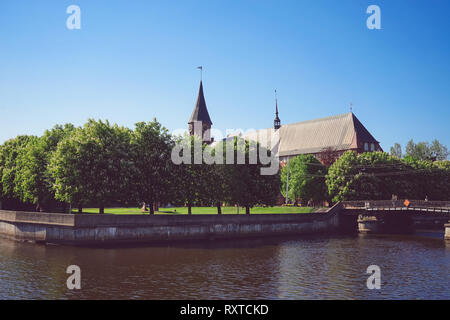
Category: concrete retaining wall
<point>80,229</point>
<point>386,223</point>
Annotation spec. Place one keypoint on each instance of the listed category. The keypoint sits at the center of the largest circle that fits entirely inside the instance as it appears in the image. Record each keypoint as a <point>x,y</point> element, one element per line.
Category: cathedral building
<point>325,138</point>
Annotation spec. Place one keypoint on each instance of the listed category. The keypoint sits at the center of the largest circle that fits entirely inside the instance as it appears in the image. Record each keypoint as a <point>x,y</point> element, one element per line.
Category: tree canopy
<point>100,164</point>
<point>93,165</point>
<point>396,150</point>
<point>427,151</point>
<point>151,147</point>
<point>434,151</point>
<point>306,179</point>
<point>378,175</point>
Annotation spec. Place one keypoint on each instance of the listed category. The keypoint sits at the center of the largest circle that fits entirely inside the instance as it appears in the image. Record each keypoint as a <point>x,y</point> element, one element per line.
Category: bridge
<point>399,205</point>
<point>398,216</point>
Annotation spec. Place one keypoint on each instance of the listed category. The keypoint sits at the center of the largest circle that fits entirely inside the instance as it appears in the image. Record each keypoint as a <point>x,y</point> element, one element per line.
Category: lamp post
<point>287,182</point>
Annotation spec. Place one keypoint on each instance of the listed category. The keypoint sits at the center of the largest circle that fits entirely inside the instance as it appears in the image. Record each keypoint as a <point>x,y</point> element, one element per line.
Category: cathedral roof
<point>340,132</point>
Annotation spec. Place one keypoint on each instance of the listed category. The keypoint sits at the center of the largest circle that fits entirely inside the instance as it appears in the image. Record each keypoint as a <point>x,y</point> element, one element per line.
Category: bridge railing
<point>395,204</point>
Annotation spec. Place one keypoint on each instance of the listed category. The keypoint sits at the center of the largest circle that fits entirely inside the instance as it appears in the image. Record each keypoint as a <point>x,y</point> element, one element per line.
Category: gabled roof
<point>363,134</point>
<point>340,132</point>
<point>200,112</point>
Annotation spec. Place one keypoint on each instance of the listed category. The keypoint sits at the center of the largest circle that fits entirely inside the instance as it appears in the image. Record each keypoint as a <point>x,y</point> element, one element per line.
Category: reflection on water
<point>302,268</point>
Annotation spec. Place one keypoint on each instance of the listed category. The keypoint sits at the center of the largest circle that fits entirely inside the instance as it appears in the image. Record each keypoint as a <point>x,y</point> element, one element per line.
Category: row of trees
<point>235,184</point>
<point>378,175</point>
<point>24,173</point>
<point>370,175</point>
<point>101,165</point>
<point>421,150</point>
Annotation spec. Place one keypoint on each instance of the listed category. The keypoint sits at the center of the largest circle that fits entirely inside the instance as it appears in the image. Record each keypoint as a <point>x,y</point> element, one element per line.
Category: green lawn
<point>203,210</point>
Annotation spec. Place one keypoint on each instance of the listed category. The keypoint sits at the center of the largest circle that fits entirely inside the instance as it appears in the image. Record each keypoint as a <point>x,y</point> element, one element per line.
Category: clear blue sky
<point>135,60</point>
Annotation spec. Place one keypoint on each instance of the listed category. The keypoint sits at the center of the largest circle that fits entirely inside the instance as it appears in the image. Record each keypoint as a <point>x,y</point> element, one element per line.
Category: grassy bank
<point>204,210</point>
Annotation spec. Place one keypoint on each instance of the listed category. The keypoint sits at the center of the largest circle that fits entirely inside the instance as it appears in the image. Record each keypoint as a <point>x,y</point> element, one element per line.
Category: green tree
<point>10,152</point>
<point>93,165</point>
<point>419,151</point>
<point>377,175</point>
<point>443,164</point>
<point>247,186</point>
<point>191,179</point>
<point>429,179</point>
<point>29,181</point>
<point>152,166</point>
<point>396,150</point>
<point>211,183</point>
<point>425,151</point>
<point>306,179</point>
<point>438,150</point>
<point>33,182</point>
<point>370,176</point>
<point>217,178</point>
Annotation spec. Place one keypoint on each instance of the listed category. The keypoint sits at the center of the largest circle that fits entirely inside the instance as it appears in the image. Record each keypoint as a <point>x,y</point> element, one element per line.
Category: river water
<point>334,267</point>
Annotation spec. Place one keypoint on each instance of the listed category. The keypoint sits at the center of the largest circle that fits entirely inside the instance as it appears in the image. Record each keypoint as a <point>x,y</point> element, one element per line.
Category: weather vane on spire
<point>201,72</point>
<point>276,122</point>
<point>276,102</point>
<point>351,107</point>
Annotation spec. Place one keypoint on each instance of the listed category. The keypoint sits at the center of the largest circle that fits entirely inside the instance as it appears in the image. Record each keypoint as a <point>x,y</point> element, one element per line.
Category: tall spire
<point>277,121</point>
<point>200,112</point>
<point>200,122</point>
<point>276,103</point>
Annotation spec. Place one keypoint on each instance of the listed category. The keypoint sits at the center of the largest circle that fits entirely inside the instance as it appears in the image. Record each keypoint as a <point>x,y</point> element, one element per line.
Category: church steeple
<point>200,122</point>
<point>277,121</point>
<point>200,112</point>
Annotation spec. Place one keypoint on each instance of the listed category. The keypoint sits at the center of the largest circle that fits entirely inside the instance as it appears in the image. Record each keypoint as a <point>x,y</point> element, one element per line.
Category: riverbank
<point>95,229</point>
<point>204,210</point>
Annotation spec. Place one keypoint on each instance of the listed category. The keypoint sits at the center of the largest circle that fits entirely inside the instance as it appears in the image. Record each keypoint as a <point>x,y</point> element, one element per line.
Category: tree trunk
<point>102,209</point>
<point>247,210</point>
<point>219,208</point>
<point>80,208</point>
<point>152,208</point>
<point>189,210</point>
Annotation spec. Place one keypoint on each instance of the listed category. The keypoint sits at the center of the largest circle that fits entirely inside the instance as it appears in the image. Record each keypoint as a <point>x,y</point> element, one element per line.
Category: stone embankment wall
<point>87,229</point>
